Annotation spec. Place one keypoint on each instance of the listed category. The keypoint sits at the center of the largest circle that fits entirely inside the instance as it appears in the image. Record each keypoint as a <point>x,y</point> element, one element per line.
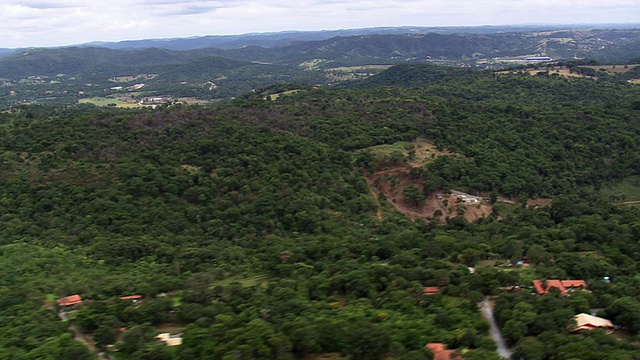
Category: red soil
<point>393,181</point>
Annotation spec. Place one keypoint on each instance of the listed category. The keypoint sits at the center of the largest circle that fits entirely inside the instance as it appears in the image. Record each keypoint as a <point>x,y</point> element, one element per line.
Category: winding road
<point>486,308</point>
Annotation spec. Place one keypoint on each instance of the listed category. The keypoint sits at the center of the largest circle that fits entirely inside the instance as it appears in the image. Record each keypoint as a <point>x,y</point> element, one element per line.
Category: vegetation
<point>220,68</point>
<point>250,227</point>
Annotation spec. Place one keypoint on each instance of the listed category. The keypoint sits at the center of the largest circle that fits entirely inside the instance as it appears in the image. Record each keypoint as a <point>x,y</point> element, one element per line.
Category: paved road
<point>79,336</point>
<point>486,308</point>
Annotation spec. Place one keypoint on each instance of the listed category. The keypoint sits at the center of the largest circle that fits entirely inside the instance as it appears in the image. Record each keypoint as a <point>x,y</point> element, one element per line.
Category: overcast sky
<point>26,23</point>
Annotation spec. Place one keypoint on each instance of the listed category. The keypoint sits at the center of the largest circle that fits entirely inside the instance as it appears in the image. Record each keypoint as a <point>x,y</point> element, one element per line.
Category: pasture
<point>103,101</point>
<point>126,79</point>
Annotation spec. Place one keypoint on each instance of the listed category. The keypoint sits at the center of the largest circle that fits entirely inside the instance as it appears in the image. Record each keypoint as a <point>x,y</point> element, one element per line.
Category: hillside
<point>286,37</point>
<point>299,222</point>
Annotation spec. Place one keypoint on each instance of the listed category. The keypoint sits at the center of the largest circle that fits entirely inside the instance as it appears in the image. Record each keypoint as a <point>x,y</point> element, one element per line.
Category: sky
<point>35,23</point>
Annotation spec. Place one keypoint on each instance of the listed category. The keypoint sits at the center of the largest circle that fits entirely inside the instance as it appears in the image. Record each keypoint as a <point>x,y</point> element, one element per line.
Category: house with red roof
<point>69,300</point>
<point>543,287</point>
<point>440,352</point>
<point>431,290</point>
<point>131,297</point>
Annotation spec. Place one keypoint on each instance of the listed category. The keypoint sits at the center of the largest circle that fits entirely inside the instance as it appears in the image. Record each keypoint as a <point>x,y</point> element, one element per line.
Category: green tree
<point>367,342</point>
<point>413,195</point>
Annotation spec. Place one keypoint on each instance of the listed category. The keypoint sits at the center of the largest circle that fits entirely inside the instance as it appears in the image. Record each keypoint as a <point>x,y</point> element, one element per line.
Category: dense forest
<point>250,228</point>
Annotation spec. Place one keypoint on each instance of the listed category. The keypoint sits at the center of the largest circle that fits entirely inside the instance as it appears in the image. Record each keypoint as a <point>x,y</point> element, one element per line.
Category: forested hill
<point>286,37</point>
<point>103,63</point>
<point>445,42</point>
<point>605,45</point>
<point>256,229</point>
<point>129,77</point>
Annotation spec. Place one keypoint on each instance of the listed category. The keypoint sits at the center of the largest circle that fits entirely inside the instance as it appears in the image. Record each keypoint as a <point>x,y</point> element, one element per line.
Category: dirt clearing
<point>390,184</point>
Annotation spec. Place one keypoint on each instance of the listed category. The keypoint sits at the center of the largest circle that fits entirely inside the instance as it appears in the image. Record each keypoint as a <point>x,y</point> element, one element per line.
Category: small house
<point>134,298</point>
<point>590,322</point>
<point>431,290</point>
<point>543,287</point>
<point>440,352</point>
<point>170,340</point>
<point>70,300</point>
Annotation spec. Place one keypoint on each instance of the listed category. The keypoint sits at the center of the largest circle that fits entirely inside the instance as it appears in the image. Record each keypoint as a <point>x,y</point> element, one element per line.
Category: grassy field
<point>609,69</point>
<point>612,69</point>
<point>102,101</point>
<point>124,79</point>
<point>258,280</point>
<point>275,96</point>
<point>526,273</point>
<point>386,151</point>
<point>418,152</point>
<point>626,190</point>
<point>359,68</point>
<point>312,64</point>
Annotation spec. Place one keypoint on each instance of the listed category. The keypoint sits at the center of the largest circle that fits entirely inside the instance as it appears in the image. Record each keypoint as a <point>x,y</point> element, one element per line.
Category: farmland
<point>103,101</point>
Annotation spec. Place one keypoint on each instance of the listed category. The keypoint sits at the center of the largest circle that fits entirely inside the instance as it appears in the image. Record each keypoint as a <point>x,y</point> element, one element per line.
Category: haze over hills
<point>270,39</point>
<point>286,37</point>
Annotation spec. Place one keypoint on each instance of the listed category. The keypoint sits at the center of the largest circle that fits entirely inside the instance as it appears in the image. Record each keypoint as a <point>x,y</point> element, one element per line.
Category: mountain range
<point>218,67</point>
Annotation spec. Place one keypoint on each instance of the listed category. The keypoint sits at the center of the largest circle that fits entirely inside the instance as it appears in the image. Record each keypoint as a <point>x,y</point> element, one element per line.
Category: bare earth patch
<point>539,202</point>
<point>392,183</point>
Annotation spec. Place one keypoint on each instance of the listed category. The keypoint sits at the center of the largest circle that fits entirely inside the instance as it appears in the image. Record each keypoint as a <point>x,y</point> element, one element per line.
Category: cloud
<point>43,4</point>
<point>168,8</point>
<point>63,22</point>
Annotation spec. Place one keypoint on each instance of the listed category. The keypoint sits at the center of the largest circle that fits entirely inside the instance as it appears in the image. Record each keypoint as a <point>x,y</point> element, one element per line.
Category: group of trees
<point>185,205</point>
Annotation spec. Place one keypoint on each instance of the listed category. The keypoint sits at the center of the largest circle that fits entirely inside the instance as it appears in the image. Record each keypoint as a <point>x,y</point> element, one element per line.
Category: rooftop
<point>543,287</point>
<point>440,352</point>
<point>431,290</point>
<point>69,300</point>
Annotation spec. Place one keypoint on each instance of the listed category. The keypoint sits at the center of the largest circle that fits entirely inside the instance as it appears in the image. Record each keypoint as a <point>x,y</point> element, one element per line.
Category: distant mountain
<point>7,52</point>
<point>606,45</point>
<point>102,62</point>
<point>286,37</point>
<point>66,74</point>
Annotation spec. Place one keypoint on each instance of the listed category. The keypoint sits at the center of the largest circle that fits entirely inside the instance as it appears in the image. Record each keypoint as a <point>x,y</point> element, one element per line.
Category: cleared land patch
<point>102,101</point>
<point>390,184</point>
<point>275,96</point>
<point>313,64</point>
<point>567,72</point>
<point>126,79</point>
<point>349,73</point>
<point>258,280</point>
<point>359,68</point>
<point>627,190</point>
<point>416,153</point>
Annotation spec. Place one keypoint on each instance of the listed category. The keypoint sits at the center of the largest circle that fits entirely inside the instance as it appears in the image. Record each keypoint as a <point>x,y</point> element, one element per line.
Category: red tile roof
<point>131,297</point>
<point>70,300</point>
<point>437,347</point>
<point>574,283</point>
<point>431,290</point>
<point>440,352</point>
<point>561,285</point>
